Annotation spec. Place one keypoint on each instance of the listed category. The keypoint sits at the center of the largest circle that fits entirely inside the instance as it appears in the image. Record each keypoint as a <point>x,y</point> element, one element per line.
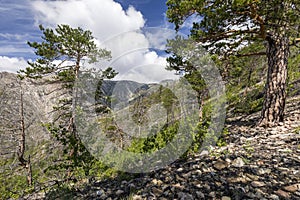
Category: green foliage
<point>294,71</point>
<point>182,54</point>
<point>248,70</point>
<point>224,28</point>
<point>13,180</point>
<point>102,171</point>
<point>248,147</point>
<point>204,131</point>
<point>154,142</point>
<point>14,187</point>
<point>245,86</point>
<point>199,133</point>
<point>297,130</point>
<point>189,61</point>
<point>247,102</point>
<point>74,150</point>
<point>244,76</point>
<point>217,22</point>
<point>61,55</point>
<point>64,43</point>
<point>143,103</point>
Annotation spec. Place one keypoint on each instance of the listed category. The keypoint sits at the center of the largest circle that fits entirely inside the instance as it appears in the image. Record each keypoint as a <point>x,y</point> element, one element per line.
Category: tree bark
<point>275,89</point>
<point>29,171</point>
<point>25,163</point>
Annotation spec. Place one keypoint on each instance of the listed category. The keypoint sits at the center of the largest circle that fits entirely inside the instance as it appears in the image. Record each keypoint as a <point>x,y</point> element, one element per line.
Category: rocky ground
<point>256,163</point>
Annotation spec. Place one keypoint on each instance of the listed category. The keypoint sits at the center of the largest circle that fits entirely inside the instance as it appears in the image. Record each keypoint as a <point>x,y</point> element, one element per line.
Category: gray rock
<point>263,171</point>
<point>157,192</point>
<point>238,162</point>
<point>185,196</point>
<point>220,164</point>
<point>137,197</point>
<point>274,197</point>
<point>119,192</point>
<point>212,194</point>
<point>179,169</point>
<point>100,192</point>
<point>257,184</point>
<point>200,195</point>
<point>225,198</point>
<point>292,188</point>
<point>283,194</point>
<point>204,153</point>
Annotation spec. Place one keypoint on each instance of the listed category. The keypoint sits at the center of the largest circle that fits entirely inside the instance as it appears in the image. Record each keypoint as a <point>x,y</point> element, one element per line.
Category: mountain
<point>122,91</point>
<point>229,170</point>
<point>39,98</point>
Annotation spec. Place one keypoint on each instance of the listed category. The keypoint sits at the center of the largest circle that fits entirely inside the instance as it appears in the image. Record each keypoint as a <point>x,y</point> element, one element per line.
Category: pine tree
<point>61,55</point>
<point>223,27</point>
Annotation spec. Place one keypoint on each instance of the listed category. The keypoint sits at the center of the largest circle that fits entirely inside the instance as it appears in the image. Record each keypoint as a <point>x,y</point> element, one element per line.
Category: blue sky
<point>16,26</point>
<point>116,25</point>
<point>153,10</point>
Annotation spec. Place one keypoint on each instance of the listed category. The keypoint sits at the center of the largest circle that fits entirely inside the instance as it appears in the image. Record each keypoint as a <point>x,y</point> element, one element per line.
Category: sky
<point>135,31</point>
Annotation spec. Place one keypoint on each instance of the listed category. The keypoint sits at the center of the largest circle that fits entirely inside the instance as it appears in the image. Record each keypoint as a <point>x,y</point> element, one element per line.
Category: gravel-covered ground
<point>257,163</point>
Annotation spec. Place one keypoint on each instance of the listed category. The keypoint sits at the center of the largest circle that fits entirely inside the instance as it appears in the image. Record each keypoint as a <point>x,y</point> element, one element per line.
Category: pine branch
<point>251,54</point>
<point>228,34</point>
<point>295,42</point>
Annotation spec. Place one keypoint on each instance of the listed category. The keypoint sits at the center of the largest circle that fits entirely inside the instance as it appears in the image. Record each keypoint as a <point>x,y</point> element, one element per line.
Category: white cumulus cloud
<point>105,18</point>
<point>116,29</point>
<point>12,64</point>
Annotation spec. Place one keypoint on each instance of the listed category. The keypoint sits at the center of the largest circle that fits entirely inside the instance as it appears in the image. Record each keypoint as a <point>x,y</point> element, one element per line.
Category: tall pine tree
<point>60,58</point>
<point>223,27</point>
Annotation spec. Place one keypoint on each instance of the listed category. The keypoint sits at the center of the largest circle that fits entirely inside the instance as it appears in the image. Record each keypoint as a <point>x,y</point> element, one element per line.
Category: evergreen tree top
<point>226,25</point>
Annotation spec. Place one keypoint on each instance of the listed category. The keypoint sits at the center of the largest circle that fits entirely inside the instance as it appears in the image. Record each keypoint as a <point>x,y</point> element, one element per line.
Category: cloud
<point>114,28</point>
<point>14,49</point>
<point>9,36</point>
<point>150,69</point>
<point>12,64</point>
<point>14,44</point>
<point>105,18</point>
<point>157,37</point>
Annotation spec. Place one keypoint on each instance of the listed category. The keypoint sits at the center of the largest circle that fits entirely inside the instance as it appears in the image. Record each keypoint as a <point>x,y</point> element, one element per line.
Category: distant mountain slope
<point>122,91</point>
<point>39,99</point>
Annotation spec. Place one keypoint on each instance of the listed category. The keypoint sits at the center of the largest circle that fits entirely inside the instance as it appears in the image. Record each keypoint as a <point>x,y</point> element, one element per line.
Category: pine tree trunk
<point>29,172</point>
<point>275,89</point>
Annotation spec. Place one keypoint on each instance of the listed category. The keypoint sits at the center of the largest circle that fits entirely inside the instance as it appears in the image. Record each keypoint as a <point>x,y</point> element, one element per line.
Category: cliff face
<point>36,109</point>
<point>39,98</point>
